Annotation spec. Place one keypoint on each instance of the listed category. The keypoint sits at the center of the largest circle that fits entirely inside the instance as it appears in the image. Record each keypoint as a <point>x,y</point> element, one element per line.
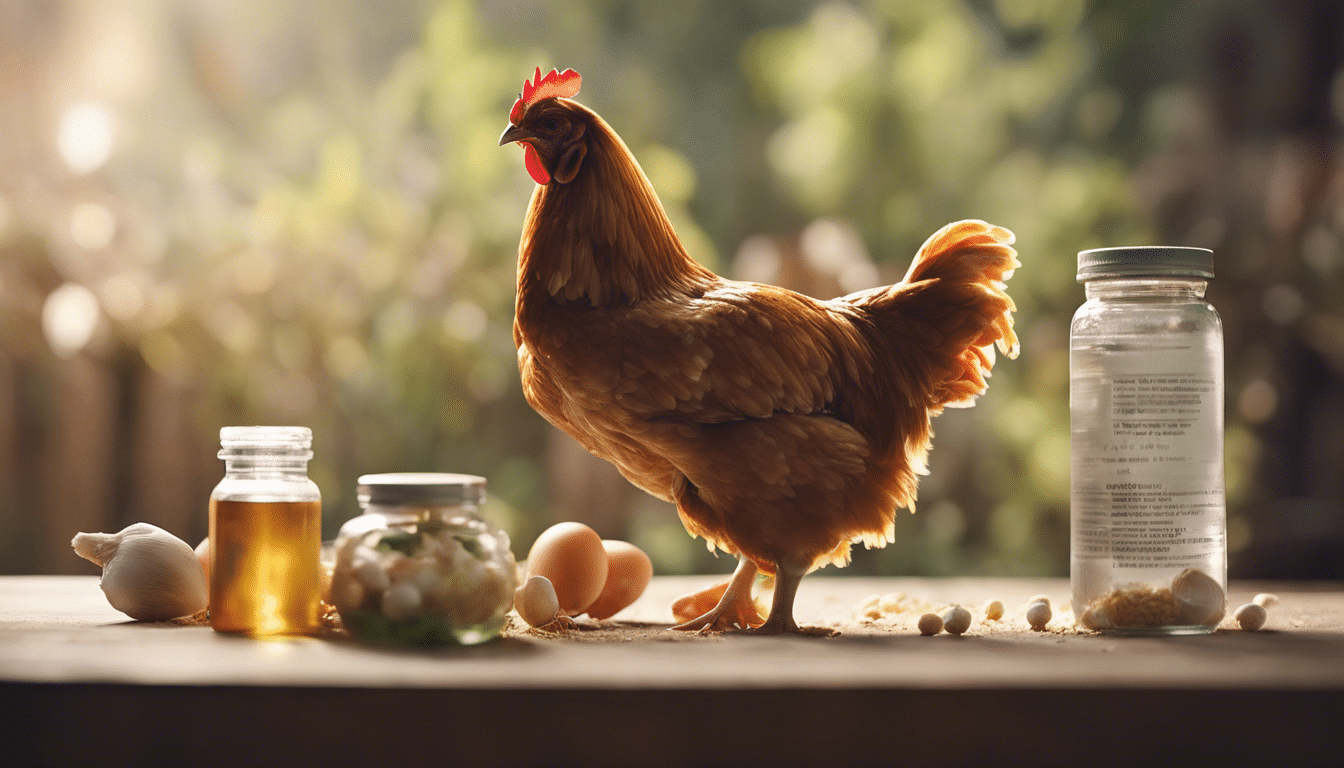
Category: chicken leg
<point>781,607</point>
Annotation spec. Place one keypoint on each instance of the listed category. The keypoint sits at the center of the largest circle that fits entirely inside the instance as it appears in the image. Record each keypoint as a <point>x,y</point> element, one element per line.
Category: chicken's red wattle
<point>534,166</point>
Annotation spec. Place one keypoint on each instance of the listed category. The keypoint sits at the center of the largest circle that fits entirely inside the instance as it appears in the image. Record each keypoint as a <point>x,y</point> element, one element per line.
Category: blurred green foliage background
<point>217,213</point>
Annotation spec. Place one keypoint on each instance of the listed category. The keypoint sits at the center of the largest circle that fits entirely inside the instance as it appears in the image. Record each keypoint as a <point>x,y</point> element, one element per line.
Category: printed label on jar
<point>1147,464</point>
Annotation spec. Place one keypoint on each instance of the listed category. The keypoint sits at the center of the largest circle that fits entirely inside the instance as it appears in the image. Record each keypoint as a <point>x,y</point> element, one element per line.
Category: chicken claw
<point>731,618</point>
<point>735,609</point>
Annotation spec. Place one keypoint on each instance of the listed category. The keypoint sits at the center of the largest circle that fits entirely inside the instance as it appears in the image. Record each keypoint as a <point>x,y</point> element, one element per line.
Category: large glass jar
<point>265,534</point>
<point>1148,550</point>
<point>419,566</point>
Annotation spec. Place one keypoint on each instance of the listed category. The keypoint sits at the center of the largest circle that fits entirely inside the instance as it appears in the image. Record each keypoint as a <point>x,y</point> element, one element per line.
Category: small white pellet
<point>1039,599</point>
<point>1251,616</point>
<point>956,620</point>
<point>1038,614</point>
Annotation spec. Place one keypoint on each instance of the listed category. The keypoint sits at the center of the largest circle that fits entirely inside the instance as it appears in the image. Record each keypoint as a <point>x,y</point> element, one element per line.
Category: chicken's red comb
<point>564,84</point>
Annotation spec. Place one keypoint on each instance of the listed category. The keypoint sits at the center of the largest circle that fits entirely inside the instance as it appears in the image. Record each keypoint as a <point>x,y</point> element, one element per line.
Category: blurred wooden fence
<point>89,444</point>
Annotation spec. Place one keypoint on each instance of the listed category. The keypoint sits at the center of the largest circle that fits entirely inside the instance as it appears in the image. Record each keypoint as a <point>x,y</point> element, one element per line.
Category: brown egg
<point>571,556</point>
<point>628,573</point>
<point>203,554</point>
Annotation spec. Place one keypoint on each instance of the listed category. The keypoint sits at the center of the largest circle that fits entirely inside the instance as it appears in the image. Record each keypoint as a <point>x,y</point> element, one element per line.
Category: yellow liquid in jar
<point>265,576</point>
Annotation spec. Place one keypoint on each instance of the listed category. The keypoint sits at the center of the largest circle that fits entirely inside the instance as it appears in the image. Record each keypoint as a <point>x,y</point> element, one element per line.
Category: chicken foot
<point>735,610</point>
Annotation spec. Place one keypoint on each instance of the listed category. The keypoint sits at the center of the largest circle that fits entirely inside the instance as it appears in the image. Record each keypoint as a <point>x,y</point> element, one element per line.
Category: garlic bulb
<point>148,573</point>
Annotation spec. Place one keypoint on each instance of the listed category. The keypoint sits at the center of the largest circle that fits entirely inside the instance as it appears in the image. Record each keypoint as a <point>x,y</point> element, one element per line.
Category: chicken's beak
<point>513,133</point>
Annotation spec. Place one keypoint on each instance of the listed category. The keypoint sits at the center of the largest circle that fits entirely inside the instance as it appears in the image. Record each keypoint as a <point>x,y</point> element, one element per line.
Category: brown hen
<point>784,428</point>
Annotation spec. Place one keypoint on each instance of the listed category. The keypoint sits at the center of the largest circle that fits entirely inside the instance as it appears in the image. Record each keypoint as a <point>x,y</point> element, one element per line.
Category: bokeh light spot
<point>234,328</point>
<point>1258,401</point>
<point>122,297</point>
<point>84,138</point>
<point>69,318</point>
<point>758,260</point>
<point>464,321</point>
<point>165,354</point>
<point>346,357</point>
<point>1283,304</point>
<point>92,226</point>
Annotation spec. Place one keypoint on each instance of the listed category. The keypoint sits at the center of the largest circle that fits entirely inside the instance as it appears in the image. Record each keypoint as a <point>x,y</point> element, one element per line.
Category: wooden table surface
<point>632,692</point>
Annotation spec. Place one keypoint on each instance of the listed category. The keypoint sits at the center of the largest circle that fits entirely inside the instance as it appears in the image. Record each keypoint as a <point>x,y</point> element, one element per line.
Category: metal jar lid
<point>412,488</point>
<point>1145,261</point>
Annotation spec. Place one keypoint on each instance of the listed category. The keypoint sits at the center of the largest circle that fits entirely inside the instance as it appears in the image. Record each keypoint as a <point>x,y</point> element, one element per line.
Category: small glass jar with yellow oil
<point>265,534</point>
<point>420,566</point>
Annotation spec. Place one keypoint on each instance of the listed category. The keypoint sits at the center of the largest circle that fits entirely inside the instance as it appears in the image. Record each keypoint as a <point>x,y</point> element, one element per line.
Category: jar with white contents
<point>1149,551</point>
<point>419,566</point>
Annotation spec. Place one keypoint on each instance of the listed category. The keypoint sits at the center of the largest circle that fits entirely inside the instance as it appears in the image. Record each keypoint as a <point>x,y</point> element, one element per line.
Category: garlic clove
<point>1251,616</point>
<point>536,601</point>
<point>148,573</point>
<point>1199,598</point>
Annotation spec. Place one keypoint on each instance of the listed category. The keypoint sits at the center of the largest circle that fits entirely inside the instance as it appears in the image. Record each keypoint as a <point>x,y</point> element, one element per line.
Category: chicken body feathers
<point>783,428</point>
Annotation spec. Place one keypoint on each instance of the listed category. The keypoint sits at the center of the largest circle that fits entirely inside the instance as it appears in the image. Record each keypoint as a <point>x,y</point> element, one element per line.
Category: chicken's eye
<point>550,123</point>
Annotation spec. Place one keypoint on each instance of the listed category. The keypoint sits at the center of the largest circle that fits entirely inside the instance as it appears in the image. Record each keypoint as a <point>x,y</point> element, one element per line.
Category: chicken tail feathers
<point>950,312</point>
